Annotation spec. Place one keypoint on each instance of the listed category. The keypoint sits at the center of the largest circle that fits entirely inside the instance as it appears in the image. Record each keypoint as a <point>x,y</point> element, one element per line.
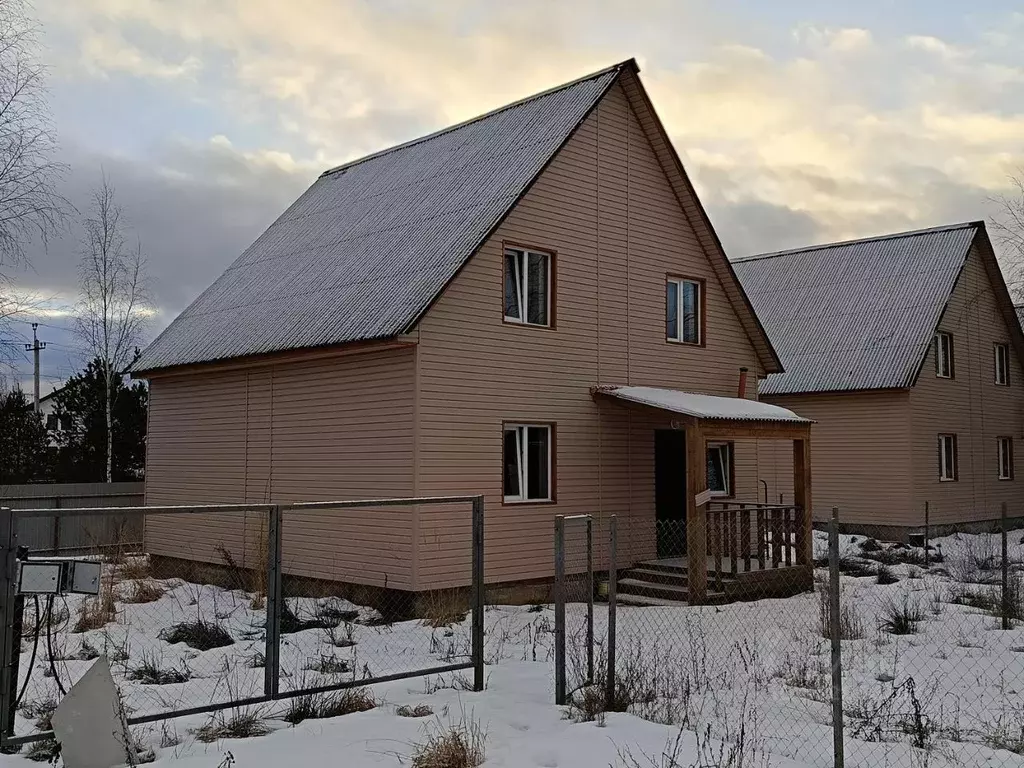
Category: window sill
<point>527,501</point>
<point>1005,479</point>
<point>524,324</point>
<point>948,479</point>
<point>940,376</point>
<point>682,343</point>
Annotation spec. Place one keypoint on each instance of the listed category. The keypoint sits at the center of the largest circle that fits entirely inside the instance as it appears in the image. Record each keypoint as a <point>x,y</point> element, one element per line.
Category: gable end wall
<point>971,406</point>
<point>605,206</point>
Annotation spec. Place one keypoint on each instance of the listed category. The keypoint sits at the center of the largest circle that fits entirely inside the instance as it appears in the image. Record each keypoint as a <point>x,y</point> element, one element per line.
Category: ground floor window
<point>948,462</point>
<point>1005,458</point>
<point>720,468</point>
<point>527,461</point>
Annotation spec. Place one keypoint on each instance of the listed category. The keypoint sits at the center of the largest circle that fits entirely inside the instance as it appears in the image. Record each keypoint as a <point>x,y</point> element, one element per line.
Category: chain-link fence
<point>246,605</point>
<point>877,653</point>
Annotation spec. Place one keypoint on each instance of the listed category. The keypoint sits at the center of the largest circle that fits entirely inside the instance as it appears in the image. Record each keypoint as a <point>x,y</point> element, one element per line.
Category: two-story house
<point>906,351</point>
<point>531,305</point>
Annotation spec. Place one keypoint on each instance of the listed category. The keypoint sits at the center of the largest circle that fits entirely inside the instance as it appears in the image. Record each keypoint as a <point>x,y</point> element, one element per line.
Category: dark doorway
<point>670,491</point>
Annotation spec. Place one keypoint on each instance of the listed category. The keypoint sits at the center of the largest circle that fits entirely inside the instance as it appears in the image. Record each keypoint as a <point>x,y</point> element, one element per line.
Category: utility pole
<point>35,348</point>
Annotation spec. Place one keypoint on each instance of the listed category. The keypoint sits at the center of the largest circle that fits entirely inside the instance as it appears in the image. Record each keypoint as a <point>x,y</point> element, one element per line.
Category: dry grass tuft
<point>135,568</point>
<point>420,710</point>
<point>201,635</point>
<point>444,607</point>
<point>96,612</point>
<point>323,706</point>
<point>236,724</point>
<point>459,745</point>
<point>145,591</point>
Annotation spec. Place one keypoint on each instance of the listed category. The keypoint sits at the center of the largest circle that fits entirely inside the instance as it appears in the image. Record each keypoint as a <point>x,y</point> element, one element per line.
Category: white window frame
<point>1004,450</point>
<point>679,283</point>
<point>948,474</point>
<point>726,467</point>
<point>944,355</point>
<point>520,276</point>
<point>1001,354</point>
<point>524,470</point>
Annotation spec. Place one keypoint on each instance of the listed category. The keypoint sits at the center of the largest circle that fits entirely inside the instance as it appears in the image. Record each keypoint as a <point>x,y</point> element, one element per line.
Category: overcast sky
<point>799,121</point>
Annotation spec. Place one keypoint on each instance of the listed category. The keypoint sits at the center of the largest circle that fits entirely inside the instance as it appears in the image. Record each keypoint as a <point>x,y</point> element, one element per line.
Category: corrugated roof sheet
<point>857,314</point>
<point>365,250</point>
<point>703,406</point>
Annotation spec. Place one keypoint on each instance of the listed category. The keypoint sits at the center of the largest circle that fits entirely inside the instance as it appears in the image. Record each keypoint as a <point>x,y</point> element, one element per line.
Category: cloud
<point>841,131</point>
<point>102,54</point>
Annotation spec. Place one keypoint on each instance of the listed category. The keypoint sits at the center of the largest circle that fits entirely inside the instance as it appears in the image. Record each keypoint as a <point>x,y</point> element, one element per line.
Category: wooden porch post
<point>696,517</point>
<point>802,498</point>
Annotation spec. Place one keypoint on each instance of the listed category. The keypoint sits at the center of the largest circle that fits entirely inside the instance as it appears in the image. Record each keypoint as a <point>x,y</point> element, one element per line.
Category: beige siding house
<point>531,306</point>
<point>906,352</point>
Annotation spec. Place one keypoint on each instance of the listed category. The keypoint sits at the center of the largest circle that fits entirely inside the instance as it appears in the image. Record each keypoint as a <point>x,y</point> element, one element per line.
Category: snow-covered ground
<point>751,680</point>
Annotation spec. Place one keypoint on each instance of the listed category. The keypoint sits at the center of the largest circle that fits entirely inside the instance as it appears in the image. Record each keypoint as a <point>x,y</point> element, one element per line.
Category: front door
<point>670,491</point>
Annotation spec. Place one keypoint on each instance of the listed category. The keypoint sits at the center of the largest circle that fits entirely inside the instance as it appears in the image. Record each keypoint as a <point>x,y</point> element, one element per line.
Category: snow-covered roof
<point>369,246</point>
<point>858,314</point>
<point>704,406</point>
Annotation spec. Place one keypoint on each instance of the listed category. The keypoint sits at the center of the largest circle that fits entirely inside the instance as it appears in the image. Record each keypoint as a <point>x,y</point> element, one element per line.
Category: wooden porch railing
<point>739,534</point>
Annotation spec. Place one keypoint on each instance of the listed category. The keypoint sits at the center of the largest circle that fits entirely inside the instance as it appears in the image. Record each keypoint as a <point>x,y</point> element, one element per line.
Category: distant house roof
<point>860,314</point>
<point>702,406</point>
<point>365,251</point>
<point>1019,309</point>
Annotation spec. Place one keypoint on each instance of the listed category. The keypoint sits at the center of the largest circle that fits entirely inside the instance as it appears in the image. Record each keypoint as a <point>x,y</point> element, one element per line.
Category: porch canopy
<point>707,418</point>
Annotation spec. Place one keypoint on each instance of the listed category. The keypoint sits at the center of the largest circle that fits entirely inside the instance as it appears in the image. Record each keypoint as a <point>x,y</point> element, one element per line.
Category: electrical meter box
<point>58,577</point>
<point>84,578</point>
<point>39,578</point>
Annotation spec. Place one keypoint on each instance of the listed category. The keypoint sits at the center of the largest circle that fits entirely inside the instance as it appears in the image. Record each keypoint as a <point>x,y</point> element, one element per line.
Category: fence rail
<point>266,623</point>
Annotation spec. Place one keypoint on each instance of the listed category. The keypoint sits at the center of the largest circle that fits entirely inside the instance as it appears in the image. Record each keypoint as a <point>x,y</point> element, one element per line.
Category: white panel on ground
<point>89,723</point>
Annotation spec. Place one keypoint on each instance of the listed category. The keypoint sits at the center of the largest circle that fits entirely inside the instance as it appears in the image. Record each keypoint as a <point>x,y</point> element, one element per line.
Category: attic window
<point>684,310</point>
<point>1002,363</point>
<point>527,287</point>
<point>944,355</point>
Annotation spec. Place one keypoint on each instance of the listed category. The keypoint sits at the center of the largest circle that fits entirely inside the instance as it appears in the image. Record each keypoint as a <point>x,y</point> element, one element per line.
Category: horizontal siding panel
<point>606,208</point>
<point>320,430</point>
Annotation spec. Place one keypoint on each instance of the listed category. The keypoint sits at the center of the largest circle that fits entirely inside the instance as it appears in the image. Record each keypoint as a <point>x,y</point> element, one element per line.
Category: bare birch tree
<point>1008,230</point>
<point>112,313</point>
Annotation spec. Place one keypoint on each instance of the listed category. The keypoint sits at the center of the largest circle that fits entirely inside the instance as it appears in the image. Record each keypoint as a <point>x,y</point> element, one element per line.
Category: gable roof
<point>860,314</point>
<point>369,247</point>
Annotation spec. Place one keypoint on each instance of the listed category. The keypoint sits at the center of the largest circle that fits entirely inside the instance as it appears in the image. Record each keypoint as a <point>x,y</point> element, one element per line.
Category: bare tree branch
<point>1007,227</point>
<point>111,316</point>
<point>30,206</point>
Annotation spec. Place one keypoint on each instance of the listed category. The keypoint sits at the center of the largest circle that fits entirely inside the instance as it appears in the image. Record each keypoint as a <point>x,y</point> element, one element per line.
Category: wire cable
<point>32,658</point>
<point>49,646</point>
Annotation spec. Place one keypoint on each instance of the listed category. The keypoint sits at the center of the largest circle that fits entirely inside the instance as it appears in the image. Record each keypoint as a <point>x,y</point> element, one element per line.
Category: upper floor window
<point>527,462</point>
<point>720,468</point>
<point>527,287</point>
<point>944,355</point>
<point>684,310</point>
<point>1002,363</point>
<point>1005,453</point>
<point>949,468</point>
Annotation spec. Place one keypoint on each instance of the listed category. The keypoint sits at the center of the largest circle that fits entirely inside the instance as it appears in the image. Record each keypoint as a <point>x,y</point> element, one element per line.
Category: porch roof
<point>710,407</point>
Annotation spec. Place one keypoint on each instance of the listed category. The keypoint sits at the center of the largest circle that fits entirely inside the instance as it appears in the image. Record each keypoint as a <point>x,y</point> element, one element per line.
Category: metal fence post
<point>835,632</point>
<point>613,532</point>
<point>9,616</point>
<point>927,535</point>
<point>1006,568</point>
<point>275,605</point>
<point>478,593</point>
<point>590,600</point>
<point>559,609</point>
